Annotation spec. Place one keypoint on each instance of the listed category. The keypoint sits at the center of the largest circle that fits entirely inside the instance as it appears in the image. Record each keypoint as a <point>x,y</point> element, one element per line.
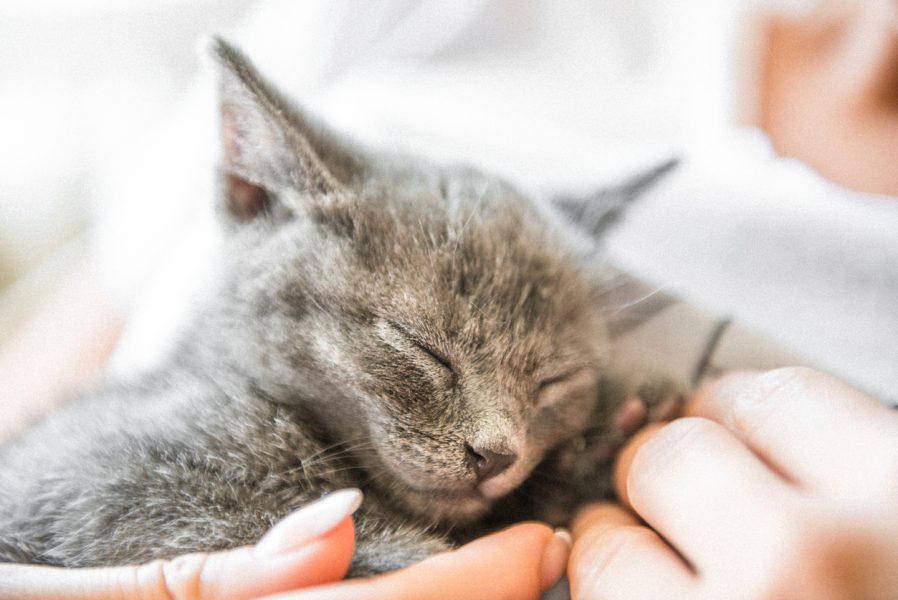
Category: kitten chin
<point>446,507</point>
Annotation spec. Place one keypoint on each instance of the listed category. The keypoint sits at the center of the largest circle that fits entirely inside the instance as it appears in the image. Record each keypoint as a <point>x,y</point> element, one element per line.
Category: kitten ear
<point>596,213</point>
<point>267,144</point>
<point>628,300</point>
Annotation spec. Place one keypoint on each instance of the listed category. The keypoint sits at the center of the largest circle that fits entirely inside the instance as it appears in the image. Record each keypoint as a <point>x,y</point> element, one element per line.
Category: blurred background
<point>784,111</point>
<point>79,83</point>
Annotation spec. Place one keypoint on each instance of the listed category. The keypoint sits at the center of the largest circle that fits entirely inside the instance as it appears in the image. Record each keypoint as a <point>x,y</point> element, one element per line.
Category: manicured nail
<point>555,558</point>
<point>565,535</point>
<point>309,522</point>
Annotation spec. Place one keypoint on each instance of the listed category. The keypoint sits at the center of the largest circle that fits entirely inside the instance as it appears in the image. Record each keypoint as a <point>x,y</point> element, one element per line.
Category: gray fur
<point>375,315</point>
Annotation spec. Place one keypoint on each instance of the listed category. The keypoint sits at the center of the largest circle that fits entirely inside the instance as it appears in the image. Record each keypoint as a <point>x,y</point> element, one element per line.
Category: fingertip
<point>326,559</point>
<point>599,513</point>
<point>309,522</point>
<point>612,554</point>
<point>528,531</point>
<point>520,561</point>
<point>341,547</point>
<point>534,547</point>
<point>520,536</point>
<point>555,558</point>
<point>625,458</point>
<point>244,573</point>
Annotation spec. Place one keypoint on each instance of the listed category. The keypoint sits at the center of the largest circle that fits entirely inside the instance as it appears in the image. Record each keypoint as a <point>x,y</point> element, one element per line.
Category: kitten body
<point>425,333</point>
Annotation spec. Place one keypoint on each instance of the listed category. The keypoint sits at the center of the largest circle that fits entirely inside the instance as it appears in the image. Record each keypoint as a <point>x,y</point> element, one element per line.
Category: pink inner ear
<point>244,199</point>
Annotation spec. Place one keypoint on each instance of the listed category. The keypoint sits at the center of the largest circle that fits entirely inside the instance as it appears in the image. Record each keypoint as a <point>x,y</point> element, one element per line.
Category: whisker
<point>613,310</point>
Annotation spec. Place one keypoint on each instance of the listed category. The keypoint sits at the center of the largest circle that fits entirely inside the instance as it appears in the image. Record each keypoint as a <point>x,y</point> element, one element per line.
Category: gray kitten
<point>425,333</point>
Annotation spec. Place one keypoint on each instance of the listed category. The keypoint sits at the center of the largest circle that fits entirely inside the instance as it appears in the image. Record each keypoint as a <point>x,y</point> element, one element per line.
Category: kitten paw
<point>652,401</point>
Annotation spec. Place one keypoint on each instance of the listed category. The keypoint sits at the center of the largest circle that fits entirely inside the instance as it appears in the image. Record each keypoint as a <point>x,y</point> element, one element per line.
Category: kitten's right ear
<point>267,144</point>
<point>596,213</point>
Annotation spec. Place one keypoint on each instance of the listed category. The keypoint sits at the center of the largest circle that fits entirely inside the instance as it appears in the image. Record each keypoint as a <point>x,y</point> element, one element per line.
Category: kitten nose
<point>487,463</point>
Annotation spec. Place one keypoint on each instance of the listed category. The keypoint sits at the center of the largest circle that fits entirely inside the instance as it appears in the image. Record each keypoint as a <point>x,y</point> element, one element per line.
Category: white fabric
<point>799,260</point>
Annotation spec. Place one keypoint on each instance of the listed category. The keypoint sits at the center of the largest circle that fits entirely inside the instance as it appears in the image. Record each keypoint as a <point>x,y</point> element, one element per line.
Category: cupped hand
<point>776,485</point>
<point>308,550</point>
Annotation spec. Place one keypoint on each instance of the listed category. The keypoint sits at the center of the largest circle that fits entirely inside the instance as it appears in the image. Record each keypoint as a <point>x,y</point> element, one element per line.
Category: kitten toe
<point>630,416</point>
<point>668,408</point>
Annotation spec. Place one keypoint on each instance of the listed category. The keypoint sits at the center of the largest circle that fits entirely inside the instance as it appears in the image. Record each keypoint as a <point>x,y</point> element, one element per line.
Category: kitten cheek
<point>579,390</point>
<point>551,396</point>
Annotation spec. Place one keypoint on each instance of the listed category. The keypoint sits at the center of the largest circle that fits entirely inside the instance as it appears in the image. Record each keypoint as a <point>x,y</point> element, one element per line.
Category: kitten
<point>425,333</point>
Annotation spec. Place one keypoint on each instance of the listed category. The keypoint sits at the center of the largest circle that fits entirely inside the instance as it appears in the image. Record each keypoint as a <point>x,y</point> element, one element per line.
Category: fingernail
<point>565,535</point>
<point>309,522</point>
<point>555,558</point>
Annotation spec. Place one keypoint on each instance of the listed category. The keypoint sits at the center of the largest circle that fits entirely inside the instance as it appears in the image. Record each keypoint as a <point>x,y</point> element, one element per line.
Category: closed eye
<point>437,358</point>
<point>416,341</point>
<point>548,385</point>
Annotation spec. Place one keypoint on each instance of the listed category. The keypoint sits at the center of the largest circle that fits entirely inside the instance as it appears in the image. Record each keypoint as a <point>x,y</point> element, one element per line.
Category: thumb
<point>522,561</point>
<point>311,546</point>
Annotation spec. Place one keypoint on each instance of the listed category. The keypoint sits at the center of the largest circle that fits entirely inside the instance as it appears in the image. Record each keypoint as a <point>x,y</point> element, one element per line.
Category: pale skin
<point>520,562</point>
<point>779,485</point>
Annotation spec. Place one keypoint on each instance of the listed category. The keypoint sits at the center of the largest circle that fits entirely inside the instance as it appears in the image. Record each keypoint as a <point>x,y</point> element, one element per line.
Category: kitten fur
<point>425,333</point>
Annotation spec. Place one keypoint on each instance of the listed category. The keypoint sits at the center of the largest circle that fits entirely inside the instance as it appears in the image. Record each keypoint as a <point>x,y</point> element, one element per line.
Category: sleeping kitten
<point>425,333</point>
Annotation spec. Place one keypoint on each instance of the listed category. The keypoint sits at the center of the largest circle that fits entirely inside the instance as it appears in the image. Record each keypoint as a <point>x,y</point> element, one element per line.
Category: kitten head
<point>441,324</point>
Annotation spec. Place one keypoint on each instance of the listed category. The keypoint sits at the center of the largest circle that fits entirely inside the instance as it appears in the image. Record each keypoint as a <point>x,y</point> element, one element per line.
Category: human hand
<point>520,562</point>
<point>311,547</point>
<point>776,485</point>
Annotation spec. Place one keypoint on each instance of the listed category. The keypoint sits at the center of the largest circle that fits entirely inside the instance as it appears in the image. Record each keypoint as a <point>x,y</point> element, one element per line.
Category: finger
<point>615,557</point>
<point>520,562</point>
<point>311,546</point>
<point>701,489</point>
<point>235,574</point>
<point>812,428</point>
<point>625,458</point>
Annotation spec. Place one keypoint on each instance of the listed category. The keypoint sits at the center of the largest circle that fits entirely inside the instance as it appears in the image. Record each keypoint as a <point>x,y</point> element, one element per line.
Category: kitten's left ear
<point>268,145</point>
